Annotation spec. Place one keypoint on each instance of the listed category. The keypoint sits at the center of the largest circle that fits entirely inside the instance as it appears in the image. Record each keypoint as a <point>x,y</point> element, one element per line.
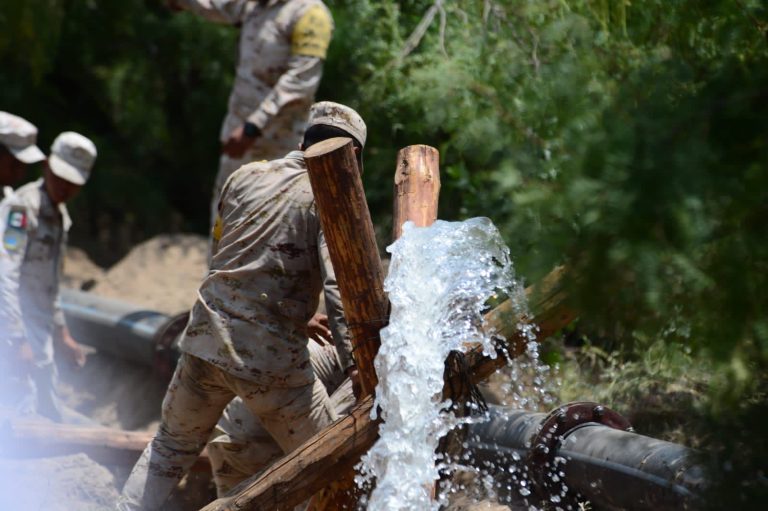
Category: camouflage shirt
<point>282,47</point>
<point>270,262</point>
<point>34,233</point>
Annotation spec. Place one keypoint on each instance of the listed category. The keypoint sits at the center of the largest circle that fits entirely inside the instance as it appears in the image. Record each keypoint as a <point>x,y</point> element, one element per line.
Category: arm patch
<point>218,229</point>
<point>15,232</point>
<point>312,33</point>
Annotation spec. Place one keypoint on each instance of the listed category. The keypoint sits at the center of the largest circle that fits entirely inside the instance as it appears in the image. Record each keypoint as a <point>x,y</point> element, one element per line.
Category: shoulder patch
<point>218,229</point>
<point>15,233</point>
<point>312,33</point>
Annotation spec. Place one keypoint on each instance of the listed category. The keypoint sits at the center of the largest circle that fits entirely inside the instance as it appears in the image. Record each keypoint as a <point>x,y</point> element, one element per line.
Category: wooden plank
<point>37,438</point>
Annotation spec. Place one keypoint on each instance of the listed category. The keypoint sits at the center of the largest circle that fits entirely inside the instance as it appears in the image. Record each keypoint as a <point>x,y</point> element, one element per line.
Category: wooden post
<point>319,461</point>
<point>417,187</point>
<point>416,195</point>
<point>346,221</point>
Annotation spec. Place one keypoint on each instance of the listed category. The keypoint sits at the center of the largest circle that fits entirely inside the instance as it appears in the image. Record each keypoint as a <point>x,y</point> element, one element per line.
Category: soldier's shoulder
<point>312,29</point>
<point>27,196</point>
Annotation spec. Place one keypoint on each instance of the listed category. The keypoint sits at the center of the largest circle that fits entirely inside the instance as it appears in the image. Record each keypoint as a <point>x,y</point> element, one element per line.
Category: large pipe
<point>612,468</point>
<point>122,329</point>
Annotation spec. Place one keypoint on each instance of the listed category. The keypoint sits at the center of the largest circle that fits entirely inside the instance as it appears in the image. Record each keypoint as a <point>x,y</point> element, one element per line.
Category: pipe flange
<point>541,461</point>
<point>165,356</point>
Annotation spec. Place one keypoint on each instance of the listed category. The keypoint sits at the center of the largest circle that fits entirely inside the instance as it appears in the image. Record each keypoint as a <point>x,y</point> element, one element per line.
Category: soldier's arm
<point>220,11</point>
<point>310,38</point>
<point>13,229</point>
<point>70,348</point>
<point>334,307</point>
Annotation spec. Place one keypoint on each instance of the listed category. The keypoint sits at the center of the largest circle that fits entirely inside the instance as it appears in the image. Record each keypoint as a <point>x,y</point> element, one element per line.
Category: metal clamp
<point>541,460</point>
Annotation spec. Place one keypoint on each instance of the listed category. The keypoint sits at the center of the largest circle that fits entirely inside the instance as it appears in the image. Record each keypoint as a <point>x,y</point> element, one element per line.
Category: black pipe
<point>118,328</point>
<point>611,468</point>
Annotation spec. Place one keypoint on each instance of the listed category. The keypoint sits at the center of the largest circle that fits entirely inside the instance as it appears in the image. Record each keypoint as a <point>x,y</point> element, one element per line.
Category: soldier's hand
<point>237,143</point>
<point>318,330</point>
<point>72,351</point>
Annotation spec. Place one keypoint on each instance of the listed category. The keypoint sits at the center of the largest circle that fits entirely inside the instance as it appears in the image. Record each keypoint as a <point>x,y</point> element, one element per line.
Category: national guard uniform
<point>241,447</point>
<point>246,334</point>
<point>34,237</point>
<point>282,47</point>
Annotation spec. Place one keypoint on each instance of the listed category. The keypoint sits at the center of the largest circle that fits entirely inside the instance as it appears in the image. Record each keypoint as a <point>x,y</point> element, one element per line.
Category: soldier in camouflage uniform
<point>282,47</point>
<point>247,331</point>
<point>34,222</point>
<point>17,148</point>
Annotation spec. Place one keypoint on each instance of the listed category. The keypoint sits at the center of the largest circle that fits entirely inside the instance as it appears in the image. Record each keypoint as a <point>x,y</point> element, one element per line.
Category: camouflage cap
<point>72,157</point>
<point>20,137</point>
<point>339,116</point>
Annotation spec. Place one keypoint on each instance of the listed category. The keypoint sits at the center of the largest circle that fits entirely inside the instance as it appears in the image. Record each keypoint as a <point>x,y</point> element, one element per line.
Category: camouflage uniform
<point>282,47</point>
<point>241,447</point>
<point>246,334</point>
<point>34,233</point>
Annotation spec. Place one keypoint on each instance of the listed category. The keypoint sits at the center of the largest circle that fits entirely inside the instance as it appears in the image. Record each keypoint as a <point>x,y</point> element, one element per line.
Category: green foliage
<point>624,140</point>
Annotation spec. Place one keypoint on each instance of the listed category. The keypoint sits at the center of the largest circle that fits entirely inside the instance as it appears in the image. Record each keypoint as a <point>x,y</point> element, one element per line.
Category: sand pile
<point>161,274</point>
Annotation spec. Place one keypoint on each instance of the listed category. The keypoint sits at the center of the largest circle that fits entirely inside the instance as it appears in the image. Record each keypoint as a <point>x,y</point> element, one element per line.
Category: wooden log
<point>416,196</point>
<point>319,461</point>
<point>417,187</point>
<point>346,221</point>
<point>37,438</point>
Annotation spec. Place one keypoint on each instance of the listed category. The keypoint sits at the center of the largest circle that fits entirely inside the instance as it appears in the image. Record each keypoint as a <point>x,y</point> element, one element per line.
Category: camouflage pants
<point>196,397</point>
<point>242,447</point>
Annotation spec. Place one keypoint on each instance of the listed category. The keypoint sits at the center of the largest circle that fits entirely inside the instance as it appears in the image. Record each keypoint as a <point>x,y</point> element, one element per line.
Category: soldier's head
<point>328,120</point>
<point>17,148</point>
<point>69,166</point>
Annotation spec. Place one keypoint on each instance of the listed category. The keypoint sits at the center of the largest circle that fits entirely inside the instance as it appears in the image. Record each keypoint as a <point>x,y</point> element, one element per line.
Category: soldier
<point>247,331</point>
<point>282,47</point>
<point>17,148</point>
<point>34,222</point>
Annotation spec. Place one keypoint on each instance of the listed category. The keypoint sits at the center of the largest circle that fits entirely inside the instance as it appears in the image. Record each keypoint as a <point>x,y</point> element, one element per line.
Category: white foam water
<point>439,283</point>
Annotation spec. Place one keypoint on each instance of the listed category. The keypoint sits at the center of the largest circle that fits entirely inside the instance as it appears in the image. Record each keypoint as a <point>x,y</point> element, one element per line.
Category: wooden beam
<point>37,438</point>
<point>322,458</point>
<point>417,187</point>
<point>348,229</point>
<point>298,475</point>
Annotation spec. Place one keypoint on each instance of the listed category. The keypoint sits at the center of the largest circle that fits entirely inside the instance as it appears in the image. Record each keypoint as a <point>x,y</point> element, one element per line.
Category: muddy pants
<point>196,397</point>
<point>242,447</point>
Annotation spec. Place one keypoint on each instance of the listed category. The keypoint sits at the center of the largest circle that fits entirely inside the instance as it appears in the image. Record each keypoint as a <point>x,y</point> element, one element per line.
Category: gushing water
<point>440,280</point>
